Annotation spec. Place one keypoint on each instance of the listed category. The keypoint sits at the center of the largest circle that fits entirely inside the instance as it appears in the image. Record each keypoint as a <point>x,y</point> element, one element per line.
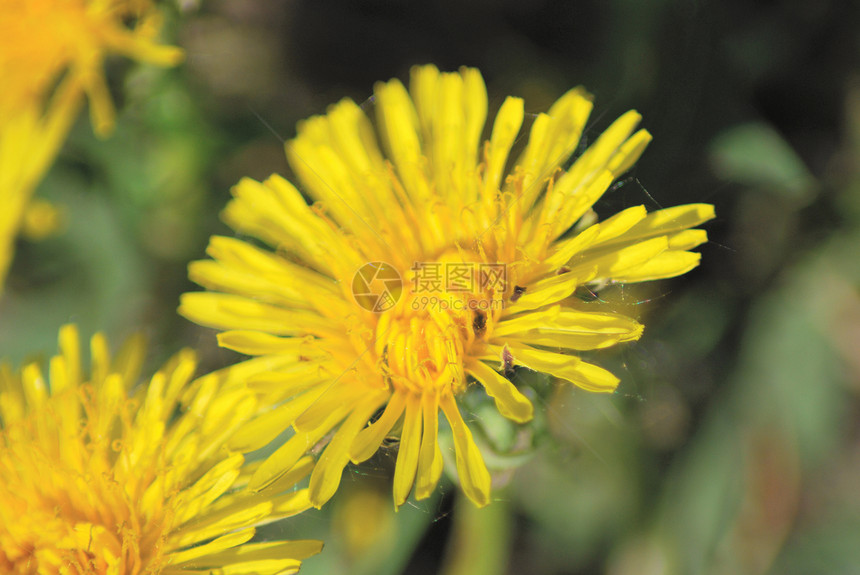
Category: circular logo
<point>377,286</point>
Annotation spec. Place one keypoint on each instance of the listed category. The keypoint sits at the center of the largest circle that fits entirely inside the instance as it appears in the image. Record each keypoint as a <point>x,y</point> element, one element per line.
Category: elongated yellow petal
<point>398,125</point>
<point>260,343</point>
<point>268,426</point>
<point>670,220</point>
<point>510,402</point>
<point>410,446</point>
<point>552,289</point>
<point>569,329</point>
<point>687,239</point>
<point>629,152</point>
<point>326,476</point>
<point>430,458</point>
<point>370,438</point>
<point>666,265</point>
<point>505,130</point>
<point>423,86</point>
<point>286,456</point>
<point>217,524</point>
<point>219,544</point>
<point>227,311</point>
<point>290,380</point>
<point>620,223</point>
<point>578,197</point>
<point>566,249</point>
<point>336,395</point>
<point>553,139</point>
<point>615,264</point>
<point>292,503</point>
<point>567,367</point>
<point>471,468</point>
<point>299,550</point>
<point>209,487</point>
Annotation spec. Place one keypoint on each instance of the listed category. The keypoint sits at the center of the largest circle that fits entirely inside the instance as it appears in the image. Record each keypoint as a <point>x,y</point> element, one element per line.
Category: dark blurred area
<point>732,444</point>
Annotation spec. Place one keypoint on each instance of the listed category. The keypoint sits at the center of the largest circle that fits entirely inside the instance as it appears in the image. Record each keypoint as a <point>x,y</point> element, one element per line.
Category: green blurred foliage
<point>732,443</point>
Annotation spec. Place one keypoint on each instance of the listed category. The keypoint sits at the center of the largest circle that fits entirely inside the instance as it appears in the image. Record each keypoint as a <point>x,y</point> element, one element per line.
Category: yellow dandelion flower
<point>93,481</point>
<point>52,55</point>
<point>487,259</point>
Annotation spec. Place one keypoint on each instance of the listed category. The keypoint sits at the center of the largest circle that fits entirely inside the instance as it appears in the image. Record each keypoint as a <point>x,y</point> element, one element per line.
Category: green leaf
<point>757,156</point>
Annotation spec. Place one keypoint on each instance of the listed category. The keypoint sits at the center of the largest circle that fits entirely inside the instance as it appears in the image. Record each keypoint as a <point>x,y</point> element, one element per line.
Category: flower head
<point>487,258</point>
<point>95,481</point>
<point>52,55</point>
<point>62,45</point>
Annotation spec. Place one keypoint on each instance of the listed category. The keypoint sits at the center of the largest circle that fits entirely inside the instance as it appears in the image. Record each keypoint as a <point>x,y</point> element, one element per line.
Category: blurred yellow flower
<point>52,55</point>
<point>427,267</point>
<point>95,481</point>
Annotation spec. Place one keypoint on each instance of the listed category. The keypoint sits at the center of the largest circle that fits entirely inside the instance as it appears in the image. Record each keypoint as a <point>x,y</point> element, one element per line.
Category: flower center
<point>422,350</point>
<point>447,309</point>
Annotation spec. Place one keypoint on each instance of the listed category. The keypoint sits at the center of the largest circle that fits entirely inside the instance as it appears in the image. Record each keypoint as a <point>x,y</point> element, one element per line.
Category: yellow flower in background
<point>423,268</point>
<point>93,480</point>
<point>52,55</point>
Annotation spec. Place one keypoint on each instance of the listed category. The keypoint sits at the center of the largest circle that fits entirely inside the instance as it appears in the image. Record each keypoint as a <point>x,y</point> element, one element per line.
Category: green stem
<point>480,540</point>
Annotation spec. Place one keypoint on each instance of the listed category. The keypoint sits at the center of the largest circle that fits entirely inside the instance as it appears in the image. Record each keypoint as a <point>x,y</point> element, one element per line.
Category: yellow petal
<point>286,456</point>
<point>398,124</point>
<point>666,265</point>
<point>569,329</point>
<point>327,177</point>
<point>505,129</point>
<point>337,395</point>
<point>666,222</point>
<point>70,349</point>
<point>474,477</point>
<point>301,549</point>
<point>241,255</point>
<point>288,481</point>
<point>267,426</point>
<point>509,401</point>
<point>423,86</point>
<point>215,276</point>
<point>430,457</point>
<point>578,197</point>
<point>550,290</point>
<point>225,311</point>
<point>608,151</point>
<point>566,367</point>
<point>326,476</point>
<point>209,487</point>
<point>292,503</point>
<point>629,152</point>
<point>552,140</point>
<point>212,524</point>
<point>410,445</point>
<point>566,249</point>
<point>616,263</point>
<point>369,439</point>
<point>219,544</point>
<point>687,239</point>
<point>620,223</point>
<point>475,104</point>
<point>259,343</point>
<point>290,380</point>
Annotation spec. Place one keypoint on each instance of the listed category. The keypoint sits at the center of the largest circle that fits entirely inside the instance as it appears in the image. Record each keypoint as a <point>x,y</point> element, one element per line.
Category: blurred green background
<point>732,444</point>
